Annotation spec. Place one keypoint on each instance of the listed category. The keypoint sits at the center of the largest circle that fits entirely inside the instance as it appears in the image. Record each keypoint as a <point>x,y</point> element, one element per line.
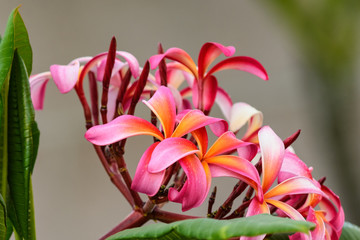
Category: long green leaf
<point>205,228</point>
<point>3,215</point>
<point>15,37</point>
<point>350,232</point>
<point>21,118</point>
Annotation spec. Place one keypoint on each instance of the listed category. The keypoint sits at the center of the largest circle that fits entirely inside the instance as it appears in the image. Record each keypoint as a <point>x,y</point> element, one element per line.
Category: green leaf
<point>205,228</point>
<point>21,118</point>
<point>350,232</point>
<point>3,215</point>
<point>15,37</point>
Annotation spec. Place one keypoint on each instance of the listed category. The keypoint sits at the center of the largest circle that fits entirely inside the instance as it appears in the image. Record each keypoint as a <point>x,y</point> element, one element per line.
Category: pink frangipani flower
<point>200,166</point>
<point>272,156</point>
<point>162,104</point>
<point>205,84</point>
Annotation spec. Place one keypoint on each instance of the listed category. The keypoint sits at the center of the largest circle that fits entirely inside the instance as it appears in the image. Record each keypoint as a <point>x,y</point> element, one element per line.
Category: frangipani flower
<point>162,104</point>
<point>204,164</point>
<point>329,219</point>
<point>325,211</point>
<point>205,84</point>
<point>272,155</point>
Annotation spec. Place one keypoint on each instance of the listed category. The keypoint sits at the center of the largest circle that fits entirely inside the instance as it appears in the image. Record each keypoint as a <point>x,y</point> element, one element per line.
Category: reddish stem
<point>127,179</point>
<point>169,217</point>
<point>134,219</point>
<point>115,178</point>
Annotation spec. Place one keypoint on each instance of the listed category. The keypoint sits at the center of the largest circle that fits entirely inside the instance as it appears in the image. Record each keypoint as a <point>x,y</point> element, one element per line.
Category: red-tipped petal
<point>194,119</point>
<point>65,76</point>
<point>169,151</point>
<point>163,105</point>
<point>272,152</point>
<point>37,86</point>
<point>210,86</point>
<point>295,185</point>
<point>241,63</point>
<point>193,192</point>
<point>209,52</point>
<point>144,181</point>
<point>175,54</point>
<point>120,128</point>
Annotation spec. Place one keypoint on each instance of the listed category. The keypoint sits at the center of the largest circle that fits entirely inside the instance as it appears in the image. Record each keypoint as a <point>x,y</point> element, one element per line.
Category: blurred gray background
<point>74,198</point>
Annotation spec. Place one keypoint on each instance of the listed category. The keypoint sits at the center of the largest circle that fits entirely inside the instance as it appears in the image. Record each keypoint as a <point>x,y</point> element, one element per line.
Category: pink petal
<point>208,179</point>
<point>225,143</point>
<point>295,185</point>
<point>37,86</point>
<point>242,63</point>
<point>65,76</point>
<point>224,101</point>
<point>194,119</point>
<point>337,220</point>
<point>319,231</point>
<point>201,138</point>
<point>132,61</point>
<point>209,52</point>
<point>144,181</point>
<point>293,166</point>
<point>242,168</point>
<point>256,208</point>
<point>286,208</point>
<point>194,190</point>
<point>272,152</point>
<point>111,105</point>
<point>162,104</point>
<point>115,71</point>
<point>210,86</point>
<point>120,128</point>
<point>175,54</point>
<point>169,151</point>
<point>195,95</point>
<point>240,114</point>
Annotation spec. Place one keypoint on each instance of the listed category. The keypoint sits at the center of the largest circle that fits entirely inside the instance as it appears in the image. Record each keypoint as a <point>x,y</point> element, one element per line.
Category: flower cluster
<point>180,96</point>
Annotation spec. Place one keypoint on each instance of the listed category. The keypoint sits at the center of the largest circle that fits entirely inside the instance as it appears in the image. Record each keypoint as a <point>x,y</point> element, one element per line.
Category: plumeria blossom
<point>272,156</point>
<point>329,218</point>
<point>162,104</point>
<point>204,164</point>
<point>325,211</point>
<point>205,86</point>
